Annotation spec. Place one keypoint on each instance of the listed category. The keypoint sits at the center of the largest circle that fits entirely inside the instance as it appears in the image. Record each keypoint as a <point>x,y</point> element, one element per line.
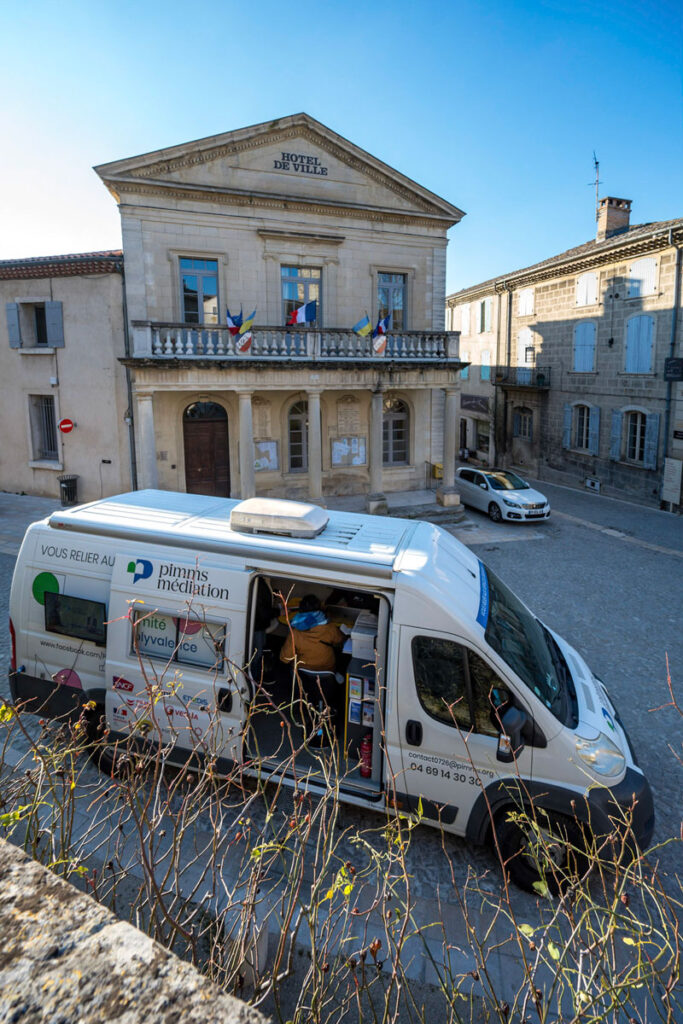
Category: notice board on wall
<point>349,451</point>
<point>265,455</point>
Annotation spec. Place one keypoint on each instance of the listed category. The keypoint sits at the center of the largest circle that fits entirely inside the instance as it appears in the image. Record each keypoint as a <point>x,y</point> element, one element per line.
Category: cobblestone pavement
<point>607,576</point>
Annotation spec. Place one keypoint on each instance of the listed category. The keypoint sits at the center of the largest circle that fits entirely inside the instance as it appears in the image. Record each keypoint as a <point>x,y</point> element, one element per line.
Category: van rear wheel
<point>107,757</point>
<point>495,515</point>
<point>540,848</point>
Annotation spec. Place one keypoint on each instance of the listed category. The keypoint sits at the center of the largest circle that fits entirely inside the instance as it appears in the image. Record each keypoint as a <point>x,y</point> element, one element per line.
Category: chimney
<point>613,217</point>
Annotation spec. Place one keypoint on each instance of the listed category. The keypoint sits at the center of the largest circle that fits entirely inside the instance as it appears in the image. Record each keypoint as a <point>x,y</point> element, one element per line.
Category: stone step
<point>430,513</point>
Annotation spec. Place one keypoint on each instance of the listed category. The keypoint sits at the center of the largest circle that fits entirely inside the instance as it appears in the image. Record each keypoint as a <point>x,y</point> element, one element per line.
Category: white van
<point>440,652</point>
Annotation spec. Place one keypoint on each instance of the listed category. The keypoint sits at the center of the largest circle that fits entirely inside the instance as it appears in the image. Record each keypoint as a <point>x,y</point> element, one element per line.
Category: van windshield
<point>527,647</point>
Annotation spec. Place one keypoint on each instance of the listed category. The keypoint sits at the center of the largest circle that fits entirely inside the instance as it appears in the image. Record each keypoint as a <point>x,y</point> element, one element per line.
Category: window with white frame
<point>484,316</point>
<point>34,324</point>
<point>301,285</point>
<point>525,302</point>
<point>396,432</point>
<point>391,298</point>
<point>635,437</point>
<point>587,289</point>
<point>581,422</point>
<point>523,423</point>
<point>198,290</point>
<point>639,342</point>
<point>641,277</point>
<point>465,318</point>
<point>582,428</point>
<point>485,368</point>
<point>584,346</point>
<point>297,425</point>
<point>43,428</point>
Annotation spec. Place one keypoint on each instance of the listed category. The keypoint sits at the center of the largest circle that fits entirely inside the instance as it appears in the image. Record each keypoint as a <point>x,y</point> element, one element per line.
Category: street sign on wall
<point>66,426</point>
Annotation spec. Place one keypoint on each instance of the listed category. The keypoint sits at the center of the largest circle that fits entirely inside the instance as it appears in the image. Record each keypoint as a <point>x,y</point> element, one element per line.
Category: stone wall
<point>65,958</point>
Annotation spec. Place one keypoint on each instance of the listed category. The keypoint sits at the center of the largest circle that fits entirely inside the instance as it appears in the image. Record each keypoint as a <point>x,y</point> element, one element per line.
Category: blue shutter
<point>13,328</point>
<point>567,427</point>
<point>516,425</point>
<point>594,429</point>
<point>646,334</point>
<point>584,346</point>
<point>651,441</point>
<point>632,338</point>
<point>615,439</point>
<point>487,315</point>
<point>53,324</point>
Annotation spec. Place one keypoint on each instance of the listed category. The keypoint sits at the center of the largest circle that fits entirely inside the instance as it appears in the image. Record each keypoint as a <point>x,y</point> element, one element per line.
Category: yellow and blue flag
<point>363,326</point>
<point>247,322</point>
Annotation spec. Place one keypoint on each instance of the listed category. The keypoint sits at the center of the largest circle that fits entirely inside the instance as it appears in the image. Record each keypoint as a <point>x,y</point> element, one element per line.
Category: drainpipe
<point>508,358</point>
<point>672,342</point>
<point>130,418</point>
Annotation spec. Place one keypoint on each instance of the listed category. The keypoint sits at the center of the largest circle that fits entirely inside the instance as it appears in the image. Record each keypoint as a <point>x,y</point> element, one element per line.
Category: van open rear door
<point>175,652</point>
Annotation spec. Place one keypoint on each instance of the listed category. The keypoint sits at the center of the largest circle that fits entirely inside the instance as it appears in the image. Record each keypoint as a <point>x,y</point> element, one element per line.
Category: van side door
<point>175,652</point>
<point>447,726</point>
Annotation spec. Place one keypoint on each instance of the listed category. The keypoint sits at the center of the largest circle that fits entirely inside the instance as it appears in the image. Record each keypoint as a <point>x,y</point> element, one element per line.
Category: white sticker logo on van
<point>141,569</point>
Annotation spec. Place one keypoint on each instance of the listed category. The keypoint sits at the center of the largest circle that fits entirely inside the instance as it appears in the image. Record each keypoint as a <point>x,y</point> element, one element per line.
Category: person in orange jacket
<point>313,640</point>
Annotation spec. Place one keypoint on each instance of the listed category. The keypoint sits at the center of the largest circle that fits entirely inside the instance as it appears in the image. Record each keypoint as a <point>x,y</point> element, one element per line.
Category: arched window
<point>584,346</point>
<point>396,431</point>
<point>523,423</point>
<point>581,422</point>
<point>297,424</point>
<point>635,436</point>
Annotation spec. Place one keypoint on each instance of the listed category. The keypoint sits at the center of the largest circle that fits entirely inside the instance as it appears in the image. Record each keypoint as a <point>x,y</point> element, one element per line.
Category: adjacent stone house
<point>267,218</point>
<point>62,335</point>
<point>586,387</point>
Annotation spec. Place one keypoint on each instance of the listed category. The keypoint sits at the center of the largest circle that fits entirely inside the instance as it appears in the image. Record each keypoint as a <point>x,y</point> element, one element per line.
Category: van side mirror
<point>510,742</point>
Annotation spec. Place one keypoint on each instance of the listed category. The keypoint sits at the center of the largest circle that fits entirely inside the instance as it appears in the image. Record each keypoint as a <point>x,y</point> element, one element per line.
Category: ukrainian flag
<point>244,327</point>
<point>363,326</point>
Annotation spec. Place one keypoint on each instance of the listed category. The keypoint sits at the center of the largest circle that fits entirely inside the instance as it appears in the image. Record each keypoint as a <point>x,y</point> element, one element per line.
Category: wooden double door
<point>207,454</point>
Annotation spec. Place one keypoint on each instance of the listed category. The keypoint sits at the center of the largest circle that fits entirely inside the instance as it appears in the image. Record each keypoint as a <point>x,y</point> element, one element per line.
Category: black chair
<point>321,691</point>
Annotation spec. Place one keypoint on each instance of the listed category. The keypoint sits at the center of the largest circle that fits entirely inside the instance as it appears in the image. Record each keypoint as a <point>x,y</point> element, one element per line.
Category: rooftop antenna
<point>596,165</point>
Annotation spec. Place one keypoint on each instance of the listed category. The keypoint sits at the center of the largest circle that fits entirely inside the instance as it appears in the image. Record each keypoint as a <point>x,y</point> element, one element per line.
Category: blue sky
<point>496,106</point>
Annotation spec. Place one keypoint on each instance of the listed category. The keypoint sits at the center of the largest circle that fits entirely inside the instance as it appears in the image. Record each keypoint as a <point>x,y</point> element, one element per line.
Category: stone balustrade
<point>188,341</point>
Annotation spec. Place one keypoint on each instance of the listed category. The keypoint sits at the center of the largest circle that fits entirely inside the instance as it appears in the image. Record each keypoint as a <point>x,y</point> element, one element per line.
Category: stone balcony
<point>535,378</point>
<point>156,341</point>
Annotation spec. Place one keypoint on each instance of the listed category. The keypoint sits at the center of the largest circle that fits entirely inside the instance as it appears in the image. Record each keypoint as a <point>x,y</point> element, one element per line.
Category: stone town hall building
<point>267,218</point>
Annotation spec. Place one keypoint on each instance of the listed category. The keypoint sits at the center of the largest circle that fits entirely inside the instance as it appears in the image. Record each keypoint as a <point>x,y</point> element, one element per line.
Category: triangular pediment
<point>295,157</point>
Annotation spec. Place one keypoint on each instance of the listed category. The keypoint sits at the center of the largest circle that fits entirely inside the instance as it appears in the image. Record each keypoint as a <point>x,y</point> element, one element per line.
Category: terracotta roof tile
<point>107,261</point>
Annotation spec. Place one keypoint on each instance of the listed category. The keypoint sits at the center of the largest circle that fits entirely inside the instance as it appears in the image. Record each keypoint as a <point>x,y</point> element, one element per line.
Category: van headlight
<point>512,504</point>
<point>601,755</point>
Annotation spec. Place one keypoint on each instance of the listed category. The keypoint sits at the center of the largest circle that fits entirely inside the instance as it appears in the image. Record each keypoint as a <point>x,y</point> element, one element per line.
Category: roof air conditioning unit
<point>278,516</point>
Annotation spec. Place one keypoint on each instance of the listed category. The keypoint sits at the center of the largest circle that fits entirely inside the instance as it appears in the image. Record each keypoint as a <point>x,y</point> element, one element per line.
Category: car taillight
<point>13,648</point>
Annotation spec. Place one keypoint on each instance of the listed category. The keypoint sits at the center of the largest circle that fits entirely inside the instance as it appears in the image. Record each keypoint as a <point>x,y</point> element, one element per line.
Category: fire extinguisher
<point>366,756</point>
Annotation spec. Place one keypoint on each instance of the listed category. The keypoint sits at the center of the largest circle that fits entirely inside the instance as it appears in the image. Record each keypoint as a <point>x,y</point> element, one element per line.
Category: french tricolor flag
<point>304,314</point>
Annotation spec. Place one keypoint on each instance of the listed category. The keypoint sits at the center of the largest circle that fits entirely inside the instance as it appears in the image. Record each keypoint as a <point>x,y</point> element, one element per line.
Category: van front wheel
<point>539,849</point>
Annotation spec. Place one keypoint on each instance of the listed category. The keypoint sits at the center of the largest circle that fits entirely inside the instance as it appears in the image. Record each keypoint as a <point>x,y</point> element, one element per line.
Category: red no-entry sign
<point>66,426</point>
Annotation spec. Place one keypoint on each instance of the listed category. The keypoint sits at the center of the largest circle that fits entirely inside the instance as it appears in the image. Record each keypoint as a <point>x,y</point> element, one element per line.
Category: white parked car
<point>502,494</point>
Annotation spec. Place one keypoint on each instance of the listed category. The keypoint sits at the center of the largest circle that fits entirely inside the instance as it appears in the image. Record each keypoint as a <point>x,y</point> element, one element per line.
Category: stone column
<point>447,494</point>
<point>247,486</point>
<point>376,501</point>
<point>315,449</point>
<point>147,449</point>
